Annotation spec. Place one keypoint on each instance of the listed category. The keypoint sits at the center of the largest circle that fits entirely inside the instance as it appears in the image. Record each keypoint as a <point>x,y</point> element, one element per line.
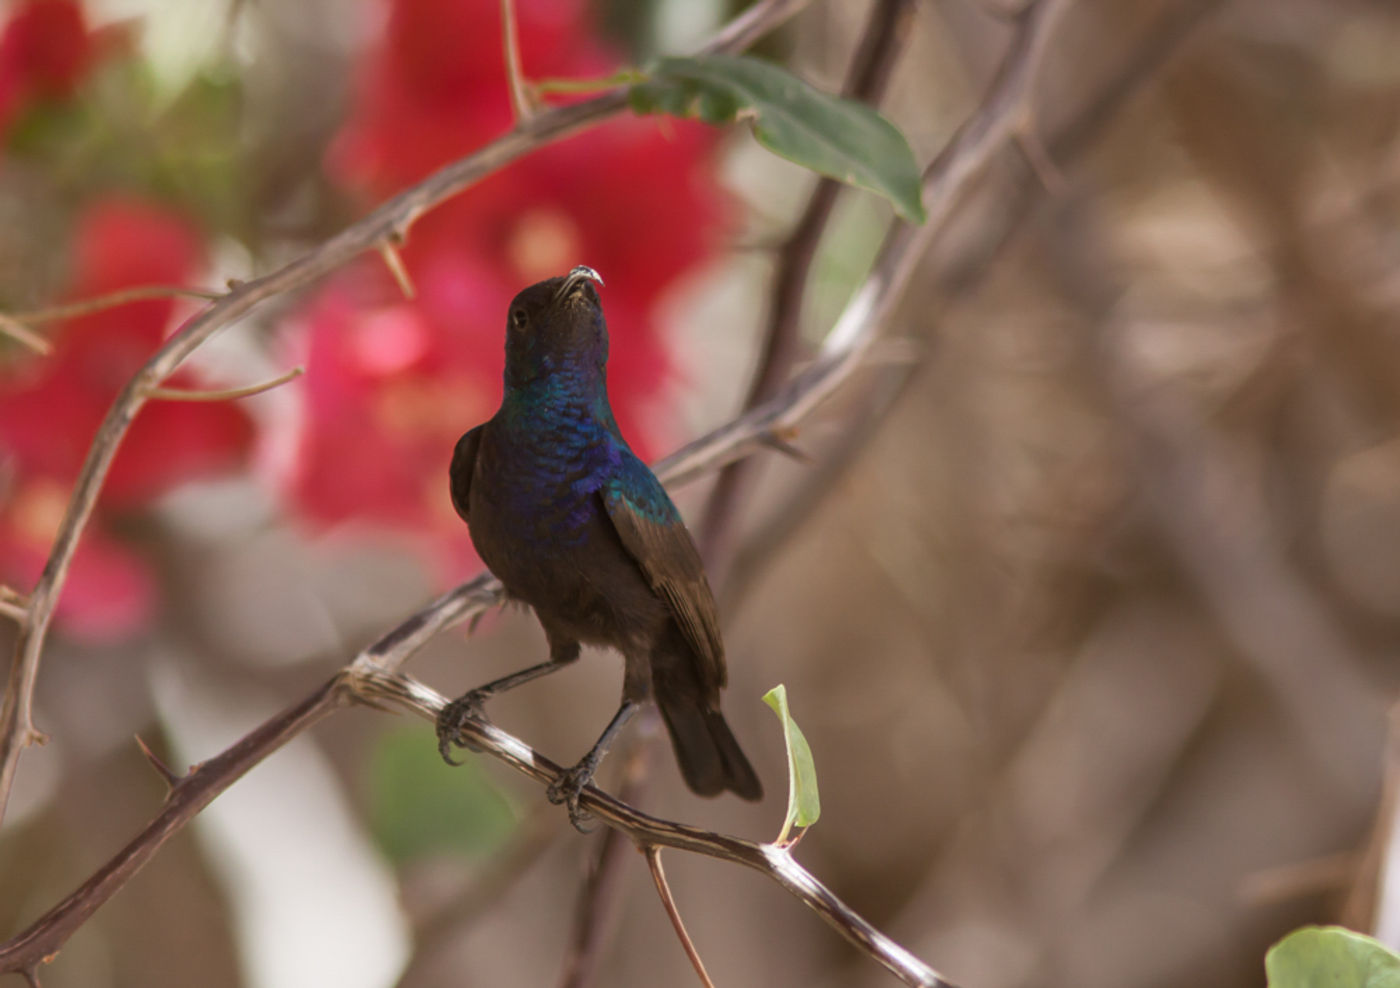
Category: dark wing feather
<point>654,535</point>
<point>463,465</point>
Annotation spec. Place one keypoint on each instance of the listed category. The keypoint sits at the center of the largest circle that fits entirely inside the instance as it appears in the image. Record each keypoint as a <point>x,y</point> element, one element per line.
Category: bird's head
<point>556,325</point>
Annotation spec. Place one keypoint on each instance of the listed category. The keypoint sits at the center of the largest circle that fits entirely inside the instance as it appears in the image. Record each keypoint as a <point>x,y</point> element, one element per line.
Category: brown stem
<point>1139,65</point>
<point>100,303</point>
<point>520,102</point>
<point>645,830</point>
<point>663,889</point>
<point>25,951</point>
<point>535,835</point>
<point>599,901</point>
<point>874,61</point>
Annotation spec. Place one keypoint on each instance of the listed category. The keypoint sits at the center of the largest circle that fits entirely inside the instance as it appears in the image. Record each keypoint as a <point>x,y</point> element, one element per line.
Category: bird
<point>578,528</point>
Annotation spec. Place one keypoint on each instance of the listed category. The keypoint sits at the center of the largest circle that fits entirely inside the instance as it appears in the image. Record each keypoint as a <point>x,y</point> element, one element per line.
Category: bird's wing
<point>460,474</point>
<point>654,535</point>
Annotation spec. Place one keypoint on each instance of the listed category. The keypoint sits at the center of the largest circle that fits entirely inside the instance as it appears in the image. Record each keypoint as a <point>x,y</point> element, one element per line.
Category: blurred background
<point>1089,604</point>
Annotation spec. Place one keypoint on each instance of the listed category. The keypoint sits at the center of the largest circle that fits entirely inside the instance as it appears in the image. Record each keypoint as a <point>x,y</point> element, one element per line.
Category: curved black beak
<point>575,278</point>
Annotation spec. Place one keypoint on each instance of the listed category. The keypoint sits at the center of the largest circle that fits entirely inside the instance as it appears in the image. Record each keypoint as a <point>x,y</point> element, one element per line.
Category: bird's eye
<point>518,319</point>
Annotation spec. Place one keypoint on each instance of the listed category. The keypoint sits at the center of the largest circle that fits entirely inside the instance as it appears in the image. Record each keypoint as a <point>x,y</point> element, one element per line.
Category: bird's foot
<point>568,788</point>
<point>456,715</point>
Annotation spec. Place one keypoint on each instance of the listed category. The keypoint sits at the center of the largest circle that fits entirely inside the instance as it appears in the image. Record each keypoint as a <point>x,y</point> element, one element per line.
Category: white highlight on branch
<point>855,318</point>
<point>791,872</point>
<point>898,959</point>
<point>511,745</point>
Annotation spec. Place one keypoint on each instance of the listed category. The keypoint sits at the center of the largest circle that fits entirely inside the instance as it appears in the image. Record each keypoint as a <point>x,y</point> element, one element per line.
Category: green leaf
<point>1331,957</point>
<point>419,805</point>
<point>837,137</point>
<point>804,805</point>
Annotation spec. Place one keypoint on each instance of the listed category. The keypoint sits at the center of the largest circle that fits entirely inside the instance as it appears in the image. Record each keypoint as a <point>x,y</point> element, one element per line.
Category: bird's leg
<point>469,706</point>
<point>569,785</point>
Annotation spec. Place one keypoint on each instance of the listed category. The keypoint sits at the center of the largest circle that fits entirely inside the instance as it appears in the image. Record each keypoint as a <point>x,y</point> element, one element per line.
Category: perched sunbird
<point>575,525</point>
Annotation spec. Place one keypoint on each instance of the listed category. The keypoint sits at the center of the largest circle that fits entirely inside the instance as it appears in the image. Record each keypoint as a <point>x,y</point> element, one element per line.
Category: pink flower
<point>50,408</point>
<point>392,384</point>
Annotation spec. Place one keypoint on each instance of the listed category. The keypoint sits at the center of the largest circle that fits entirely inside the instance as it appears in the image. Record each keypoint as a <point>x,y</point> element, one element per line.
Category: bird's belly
<point>554,548</point>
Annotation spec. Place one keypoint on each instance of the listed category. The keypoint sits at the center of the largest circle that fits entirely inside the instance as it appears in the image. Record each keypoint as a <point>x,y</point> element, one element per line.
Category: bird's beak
<point>575,278</point>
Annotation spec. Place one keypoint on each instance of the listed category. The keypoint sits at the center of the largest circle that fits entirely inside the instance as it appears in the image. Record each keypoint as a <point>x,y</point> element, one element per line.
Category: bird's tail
<point>710,759</point>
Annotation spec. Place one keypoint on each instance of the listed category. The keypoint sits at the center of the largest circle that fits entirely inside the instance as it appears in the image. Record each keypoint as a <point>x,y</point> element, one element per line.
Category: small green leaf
<point>837,137</point>
<point>419,805</point>
<point>804,805</point>
<point>1331,957</point>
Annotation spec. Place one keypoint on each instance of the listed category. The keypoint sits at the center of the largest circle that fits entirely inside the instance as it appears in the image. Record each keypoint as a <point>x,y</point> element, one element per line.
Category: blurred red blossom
<point>50,408</point>
<point>45,50</point>
<point>391,384</point>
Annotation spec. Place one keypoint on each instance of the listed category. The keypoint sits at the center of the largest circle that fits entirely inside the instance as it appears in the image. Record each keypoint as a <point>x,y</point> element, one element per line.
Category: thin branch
<point>1136,68</point>
<point>532,838</point>
<point>752,24</point>
<point>599,900</point>
<point>595,913</point>
<point>23,335</point>
<point>658,876</point>
<point>35,945</point>
<point>384,225</point>
<point>100,303</point>
<point>520,103</point>
<point>1041,163</point>
<point>885,33</point>
<point>228,394</point>
<point>1005,111</point>
<point>645,830</point>
<point>945,183</point>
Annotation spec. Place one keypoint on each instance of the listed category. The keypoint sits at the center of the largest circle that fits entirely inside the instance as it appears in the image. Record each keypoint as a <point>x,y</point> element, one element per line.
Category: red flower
<point>45,51</point>
<point>50,408</point>
<point>392,384</point>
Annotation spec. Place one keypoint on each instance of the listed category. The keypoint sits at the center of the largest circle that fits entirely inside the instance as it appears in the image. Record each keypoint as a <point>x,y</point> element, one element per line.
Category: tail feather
<point>709,756</point>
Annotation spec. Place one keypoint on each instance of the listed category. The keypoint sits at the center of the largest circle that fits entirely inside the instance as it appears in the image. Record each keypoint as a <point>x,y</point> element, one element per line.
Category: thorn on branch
<point>33,737</point>
<point>1040,161</point>
<point>393,260</point>
<point>658,875</point>
<point>780,440</point>
<point>126,296</point>
<point>168,774</point>
<point>14,604</point>
<point>228,394</point>
<point>23,335</point>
